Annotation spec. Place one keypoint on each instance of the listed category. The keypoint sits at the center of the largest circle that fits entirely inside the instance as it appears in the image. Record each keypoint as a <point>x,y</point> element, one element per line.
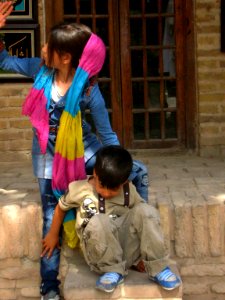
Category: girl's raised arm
<point>5,10</point>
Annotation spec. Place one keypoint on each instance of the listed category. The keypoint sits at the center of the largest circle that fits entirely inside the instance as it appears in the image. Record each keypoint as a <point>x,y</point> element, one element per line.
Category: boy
<point>117,229</point>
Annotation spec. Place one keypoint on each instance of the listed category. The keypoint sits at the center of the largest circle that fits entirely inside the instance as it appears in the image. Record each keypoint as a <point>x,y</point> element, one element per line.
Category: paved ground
<point>171,176</point>
<point>185,177</point>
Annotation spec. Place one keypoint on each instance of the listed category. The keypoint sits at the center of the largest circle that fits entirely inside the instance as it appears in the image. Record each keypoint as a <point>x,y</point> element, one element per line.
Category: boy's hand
<point>5,10</point>
<point>49,243</point>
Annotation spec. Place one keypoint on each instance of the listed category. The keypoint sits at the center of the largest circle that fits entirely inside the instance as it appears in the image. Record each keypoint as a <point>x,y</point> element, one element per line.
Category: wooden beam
<point>222,14</point>
<point>54,13</point>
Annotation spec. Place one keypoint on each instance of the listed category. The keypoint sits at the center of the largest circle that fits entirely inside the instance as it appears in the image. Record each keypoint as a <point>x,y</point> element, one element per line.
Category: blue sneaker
<point>167,279</point>
<point>52,295</point>
<point>109,281</point>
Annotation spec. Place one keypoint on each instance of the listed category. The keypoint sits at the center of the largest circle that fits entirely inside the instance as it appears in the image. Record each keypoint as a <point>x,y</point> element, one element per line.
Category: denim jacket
<point>42,163</point>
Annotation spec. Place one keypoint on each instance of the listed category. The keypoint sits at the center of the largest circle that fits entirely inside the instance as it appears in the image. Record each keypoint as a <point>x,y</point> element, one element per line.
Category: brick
<point>15,273</point>
<point>28,282</point>
<point>4,146</point>
<point>8,294</point>
<point>30,292</point>
<point>207,41</point>
<point>7,284</point>
<point>195,289</point>
<point>10,112</point>
<point>166,223</point>
<point>4,124</point>
<point>200,231</point>
<point>209,129</point>
<point>3,248</point>
<point>211,97</point>
<point>208,108</point>
<point>4,102</point>
<point>202,270</point>
<point>15,156</point>
<point>219,287</point>
<point>10,135</point>
<point>13,222</point>
<point>216,75</point>
<point>17,102</point>
<point>207,86</point>
<point>12,102</point>
<point>34,226</point>
<point>24,145</point>
<point>216,228</point>
<point>210,151</point>
<point>19,123</point>
<point>212,140</point>
<point>10,262</point>
<point>13,90</point>
<point>183,235</point>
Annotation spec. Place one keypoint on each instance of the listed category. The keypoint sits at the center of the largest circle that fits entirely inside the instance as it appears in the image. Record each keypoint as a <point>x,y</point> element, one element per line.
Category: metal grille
<point>153,69</point>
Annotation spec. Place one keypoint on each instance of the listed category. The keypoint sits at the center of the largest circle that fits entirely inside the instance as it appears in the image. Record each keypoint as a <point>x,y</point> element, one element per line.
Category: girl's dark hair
<point>113,166</point>
<point>68,38</point>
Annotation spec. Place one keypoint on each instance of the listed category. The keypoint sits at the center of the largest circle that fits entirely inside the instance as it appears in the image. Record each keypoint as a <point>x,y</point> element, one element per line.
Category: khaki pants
<point>114,245</point>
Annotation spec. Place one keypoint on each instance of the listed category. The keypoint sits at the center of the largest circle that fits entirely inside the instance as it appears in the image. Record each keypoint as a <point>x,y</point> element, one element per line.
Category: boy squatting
<point>104,218</point>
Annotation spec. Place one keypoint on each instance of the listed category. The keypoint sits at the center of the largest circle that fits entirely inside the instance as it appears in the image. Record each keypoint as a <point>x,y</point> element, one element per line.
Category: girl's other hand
<point>49,243</point>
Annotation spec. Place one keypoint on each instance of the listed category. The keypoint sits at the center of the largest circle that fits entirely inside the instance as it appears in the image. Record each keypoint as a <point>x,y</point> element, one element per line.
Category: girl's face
<point>56,63</point>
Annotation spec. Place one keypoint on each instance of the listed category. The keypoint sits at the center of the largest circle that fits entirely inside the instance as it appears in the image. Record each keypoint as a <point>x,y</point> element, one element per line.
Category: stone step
<point>80,284</point>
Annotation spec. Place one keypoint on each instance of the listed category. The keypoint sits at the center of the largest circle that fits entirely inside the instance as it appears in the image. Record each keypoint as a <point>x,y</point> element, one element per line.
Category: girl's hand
<point>5,10</point>
<point>49,243</point>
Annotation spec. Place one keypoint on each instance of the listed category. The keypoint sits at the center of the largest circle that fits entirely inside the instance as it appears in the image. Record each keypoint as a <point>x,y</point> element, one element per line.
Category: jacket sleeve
<point>100,117</point>
<point>24,66</point>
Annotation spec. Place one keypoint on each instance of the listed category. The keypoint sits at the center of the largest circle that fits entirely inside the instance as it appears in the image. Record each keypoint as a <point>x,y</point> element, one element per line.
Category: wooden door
<point>144,75</point>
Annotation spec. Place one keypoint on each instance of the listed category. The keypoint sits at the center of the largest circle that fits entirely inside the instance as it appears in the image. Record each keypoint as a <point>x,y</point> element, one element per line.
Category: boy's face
<point>103,191</point>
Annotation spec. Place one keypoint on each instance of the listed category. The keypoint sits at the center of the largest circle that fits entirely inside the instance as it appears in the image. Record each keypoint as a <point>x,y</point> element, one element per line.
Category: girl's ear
<point>66,58</point>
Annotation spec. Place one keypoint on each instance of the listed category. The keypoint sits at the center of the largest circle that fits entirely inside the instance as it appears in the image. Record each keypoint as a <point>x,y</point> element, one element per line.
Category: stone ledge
<point>80,284</point>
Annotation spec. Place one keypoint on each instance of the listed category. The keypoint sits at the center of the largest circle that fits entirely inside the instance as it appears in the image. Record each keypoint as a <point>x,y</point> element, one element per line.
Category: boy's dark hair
<point>113,166</point>
<point>68,38</point>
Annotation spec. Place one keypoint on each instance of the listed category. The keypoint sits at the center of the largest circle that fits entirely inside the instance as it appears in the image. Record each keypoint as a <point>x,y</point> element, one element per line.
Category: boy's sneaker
<point>52,295</point>
<point>167,279</point>
<point>109,281</point>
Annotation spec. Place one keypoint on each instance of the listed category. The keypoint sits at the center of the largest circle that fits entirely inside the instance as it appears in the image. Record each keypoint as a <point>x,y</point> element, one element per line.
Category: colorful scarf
<point>68,162</point>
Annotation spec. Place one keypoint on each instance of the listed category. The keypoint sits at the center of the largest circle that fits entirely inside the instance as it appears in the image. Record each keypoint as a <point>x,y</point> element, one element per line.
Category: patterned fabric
<point>68,163</point>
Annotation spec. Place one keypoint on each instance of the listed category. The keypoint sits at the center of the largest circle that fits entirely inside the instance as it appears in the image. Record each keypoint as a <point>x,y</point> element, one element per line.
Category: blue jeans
<point>138,176</point>
<point>49,267</point>
<point>140,179</point>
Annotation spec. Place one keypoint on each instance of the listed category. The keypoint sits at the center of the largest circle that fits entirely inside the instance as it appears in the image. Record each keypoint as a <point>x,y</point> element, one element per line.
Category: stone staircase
<point>189,192</point>
<point>80,284</point>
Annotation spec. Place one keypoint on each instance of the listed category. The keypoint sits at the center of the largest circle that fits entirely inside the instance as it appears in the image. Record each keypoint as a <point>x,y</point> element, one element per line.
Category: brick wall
<point>210,78</point>
<point>15,129</point>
